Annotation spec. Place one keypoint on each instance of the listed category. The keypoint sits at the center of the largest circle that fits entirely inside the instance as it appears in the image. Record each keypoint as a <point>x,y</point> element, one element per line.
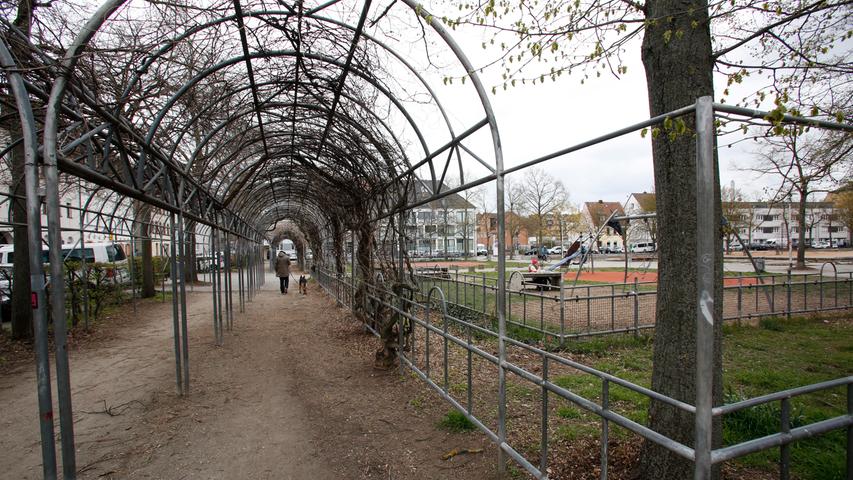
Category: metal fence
<point>445,349</point>
<point>567,312</point>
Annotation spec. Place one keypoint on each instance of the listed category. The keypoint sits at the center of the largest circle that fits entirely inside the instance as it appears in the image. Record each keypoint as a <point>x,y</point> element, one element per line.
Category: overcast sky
<point>540,119</point>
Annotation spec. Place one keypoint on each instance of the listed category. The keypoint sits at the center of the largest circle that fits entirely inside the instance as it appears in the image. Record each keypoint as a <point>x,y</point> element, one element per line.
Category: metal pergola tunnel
<point>216,122</point>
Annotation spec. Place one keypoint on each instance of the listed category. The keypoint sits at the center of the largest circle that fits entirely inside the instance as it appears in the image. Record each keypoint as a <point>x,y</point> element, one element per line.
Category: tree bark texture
<point>678,61</point>
<point>143,237</point>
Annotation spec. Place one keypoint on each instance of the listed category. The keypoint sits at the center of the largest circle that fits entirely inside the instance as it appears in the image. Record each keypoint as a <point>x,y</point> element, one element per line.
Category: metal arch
<point>258,14</point>
<point>249,167</point>
<point>319,108</point>
<point>353,99</point>
<point>271,54</point>
<point>37,284</point>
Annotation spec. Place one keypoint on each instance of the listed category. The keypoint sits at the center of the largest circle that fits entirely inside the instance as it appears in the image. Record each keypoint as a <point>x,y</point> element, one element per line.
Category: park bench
<point>437,272</point>
<point>542,280</point>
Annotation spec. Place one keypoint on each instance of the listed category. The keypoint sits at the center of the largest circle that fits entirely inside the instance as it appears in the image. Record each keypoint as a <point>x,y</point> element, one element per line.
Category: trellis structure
<point>232,116</point>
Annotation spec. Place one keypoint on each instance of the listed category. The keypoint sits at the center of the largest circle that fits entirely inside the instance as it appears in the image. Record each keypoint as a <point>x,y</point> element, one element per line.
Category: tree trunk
<point>143,219</point>
<point>801,242</point>
<point>678,61</point>
<point>22,310</point>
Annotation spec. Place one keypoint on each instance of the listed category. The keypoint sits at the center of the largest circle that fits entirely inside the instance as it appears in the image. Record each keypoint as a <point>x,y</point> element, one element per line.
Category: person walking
<point>282,271</point>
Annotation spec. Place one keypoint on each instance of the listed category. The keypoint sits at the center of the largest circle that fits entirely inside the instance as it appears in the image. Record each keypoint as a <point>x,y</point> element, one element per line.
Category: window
<point>769,229</point>
<point>68,209</point>
<point>834,229</point>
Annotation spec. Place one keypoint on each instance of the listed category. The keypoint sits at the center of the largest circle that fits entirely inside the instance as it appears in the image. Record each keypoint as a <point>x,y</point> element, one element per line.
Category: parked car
<point>821,244</point>
<point>612,249</point>
<point>643,247</point>
<point>555,250</point>
<point>531,251</point>
<point>481,250</point>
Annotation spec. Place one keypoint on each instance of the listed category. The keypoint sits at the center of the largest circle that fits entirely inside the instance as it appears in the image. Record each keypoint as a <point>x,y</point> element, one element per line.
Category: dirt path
<point>291,394</point>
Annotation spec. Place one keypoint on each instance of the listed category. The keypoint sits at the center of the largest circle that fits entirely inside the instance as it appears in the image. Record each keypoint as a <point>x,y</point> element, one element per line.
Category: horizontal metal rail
<point>339,286</point>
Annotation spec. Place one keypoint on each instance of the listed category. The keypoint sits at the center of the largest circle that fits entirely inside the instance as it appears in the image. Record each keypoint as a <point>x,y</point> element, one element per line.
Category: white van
<point>100,252</point>
<point>643,247</point>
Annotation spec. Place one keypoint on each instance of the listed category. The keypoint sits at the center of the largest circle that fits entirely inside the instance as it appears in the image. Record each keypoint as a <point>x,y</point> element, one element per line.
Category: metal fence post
<point>706,226</point>
<point>175,313</point>
<point>636,308</point>
<point>785,449</point>
<point>605,427</point>
<point>788,284</point>
<point>562,313</point>
<point>739,300</point>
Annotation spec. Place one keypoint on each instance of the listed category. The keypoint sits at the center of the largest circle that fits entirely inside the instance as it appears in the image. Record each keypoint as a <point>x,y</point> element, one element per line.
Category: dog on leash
<point>303,285</point>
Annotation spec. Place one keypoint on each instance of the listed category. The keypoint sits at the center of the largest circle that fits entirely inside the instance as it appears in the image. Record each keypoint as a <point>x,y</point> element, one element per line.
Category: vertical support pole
<point>613,307</point>
<point>485,316</point>
<point>850,432</point>
<point>133,273</point>
<point>500,303</point>
<point>562,312</point>
<point>173,267</point>
<point>57,301</point>
<point>605,427</point>
<point>84,264</point>
<point>636,307</point>
<point>543,446</point>
<point>37,284</point>
<point>739,300</point>
<point>785,449</point>
<point>588,308</point>
<point>706,229</point>
<point>229,299</point>
<point>788,308</point>
<point>773,294</point>
<point>182,284</point>
<point>221,312</point>
<point>214,265</point>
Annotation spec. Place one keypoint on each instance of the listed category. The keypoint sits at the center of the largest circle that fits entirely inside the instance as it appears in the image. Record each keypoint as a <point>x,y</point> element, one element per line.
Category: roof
<point>599,211</point>
<point>647,201</point>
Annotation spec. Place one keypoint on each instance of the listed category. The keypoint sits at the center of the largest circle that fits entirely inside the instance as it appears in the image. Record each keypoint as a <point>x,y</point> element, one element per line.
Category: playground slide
<point>563,261</point>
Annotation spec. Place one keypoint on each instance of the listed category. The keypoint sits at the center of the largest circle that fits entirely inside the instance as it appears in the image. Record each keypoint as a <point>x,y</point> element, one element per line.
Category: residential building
<point>517,236</point>
<point>446,225</point>
<point>758,222</point>
<point>641,230</point>
<point>595,215</point>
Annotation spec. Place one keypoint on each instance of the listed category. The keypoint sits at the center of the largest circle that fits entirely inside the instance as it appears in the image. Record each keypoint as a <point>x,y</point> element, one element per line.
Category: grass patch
<point>776,355</point>
<point>456,422</point>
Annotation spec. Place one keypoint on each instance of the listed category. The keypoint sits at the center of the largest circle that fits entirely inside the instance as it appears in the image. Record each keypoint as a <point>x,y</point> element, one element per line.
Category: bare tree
<point>515,211</point>
<point>733,202</point>
<point>542,195</point>
<point>843,203</point>
<point>805,164</point>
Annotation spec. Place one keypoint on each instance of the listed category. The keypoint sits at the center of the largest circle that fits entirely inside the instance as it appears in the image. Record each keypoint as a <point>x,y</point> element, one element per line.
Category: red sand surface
<point>619,277</point>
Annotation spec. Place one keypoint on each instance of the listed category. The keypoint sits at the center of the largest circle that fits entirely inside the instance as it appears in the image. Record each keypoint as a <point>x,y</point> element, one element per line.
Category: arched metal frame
<point>135,166</point>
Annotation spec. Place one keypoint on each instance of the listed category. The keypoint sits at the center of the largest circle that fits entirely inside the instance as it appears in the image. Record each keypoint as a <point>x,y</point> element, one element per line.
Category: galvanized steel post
<point>173,266</point>
<point>706,232</point>
<point>31,179</point>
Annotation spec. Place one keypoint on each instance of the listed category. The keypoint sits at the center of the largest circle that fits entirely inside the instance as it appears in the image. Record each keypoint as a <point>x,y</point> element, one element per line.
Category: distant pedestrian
<point>282,271</point>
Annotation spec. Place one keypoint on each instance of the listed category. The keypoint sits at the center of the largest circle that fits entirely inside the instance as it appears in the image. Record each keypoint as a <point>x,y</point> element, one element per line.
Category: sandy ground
<point>292,394</point>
